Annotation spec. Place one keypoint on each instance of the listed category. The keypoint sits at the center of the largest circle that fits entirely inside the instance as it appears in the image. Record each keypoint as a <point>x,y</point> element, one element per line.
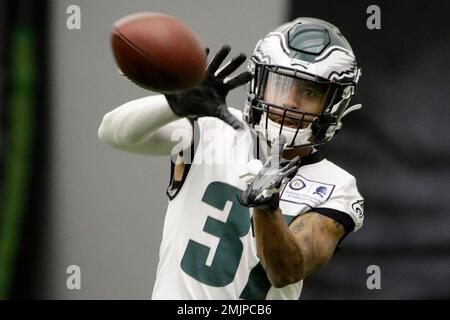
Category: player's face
<point>298,94</point>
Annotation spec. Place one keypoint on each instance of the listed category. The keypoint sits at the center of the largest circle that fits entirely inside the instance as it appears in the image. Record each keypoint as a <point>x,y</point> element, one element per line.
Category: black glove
<point>209,97</point>
<point>264,189</point>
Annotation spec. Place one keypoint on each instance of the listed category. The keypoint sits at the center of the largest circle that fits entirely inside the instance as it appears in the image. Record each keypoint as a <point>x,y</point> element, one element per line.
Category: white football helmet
<point>306,54</point>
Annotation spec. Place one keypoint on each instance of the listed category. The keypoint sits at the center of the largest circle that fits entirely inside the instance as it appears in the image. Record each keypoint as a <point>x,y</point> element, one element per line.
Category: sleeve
<point>146,126</point>
<point>345,205</point>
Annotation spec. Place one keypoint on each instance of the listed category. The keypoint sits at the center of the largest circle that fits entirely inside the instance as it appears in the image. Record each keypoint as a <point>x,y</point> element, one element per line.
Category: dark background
<point>398,148</point>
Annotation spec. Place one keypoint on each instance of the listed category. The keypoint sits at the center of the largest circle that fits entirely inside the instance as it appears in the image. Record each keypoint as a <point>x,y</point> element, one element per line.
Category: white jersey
<point>208,250</point>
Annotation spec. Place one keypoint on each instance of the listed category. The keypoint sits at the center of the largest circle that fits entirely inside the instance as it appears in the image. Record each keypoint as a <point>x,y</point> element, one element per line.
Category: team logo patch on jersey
<point>304,191</point>
<point>297,184</point>
<point>321,191</point>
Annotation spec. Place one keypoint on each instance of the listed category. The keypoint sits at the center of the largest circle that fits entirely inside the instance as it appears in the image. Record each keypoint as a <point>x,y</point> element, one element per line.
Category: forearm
<point>278,250</point>
<point>132,121</point>
<point>146,125</point>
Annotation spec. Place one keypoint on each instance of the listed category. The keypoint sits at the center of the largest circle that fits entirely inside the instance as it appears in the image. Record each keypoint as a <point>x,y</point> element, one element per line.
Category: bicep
<point>317,236</point>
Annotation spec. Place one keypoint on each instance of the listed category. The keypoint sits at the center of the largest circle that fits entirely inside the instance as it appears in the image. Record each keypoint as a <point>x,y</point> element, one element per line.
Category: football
<point>158,52</point>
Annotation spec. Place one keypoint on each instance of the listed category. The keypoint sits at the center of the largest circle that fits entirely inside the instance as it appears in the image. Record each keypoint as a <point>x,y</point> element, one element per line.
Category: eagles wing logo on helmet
<point>336,64</point>
<point>270,50</point>
<point>259,54</point>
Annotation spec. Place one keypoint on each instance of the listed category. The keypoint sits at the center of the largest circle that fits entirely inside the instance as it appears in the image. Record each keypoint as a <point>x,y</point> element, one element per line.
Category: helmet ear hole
<point>320,127</point>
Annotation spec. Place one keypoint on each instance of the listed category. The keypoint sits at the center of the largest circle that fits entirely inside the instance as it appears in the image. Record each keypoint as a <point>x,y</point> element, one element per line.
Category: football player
<point>254,207</point>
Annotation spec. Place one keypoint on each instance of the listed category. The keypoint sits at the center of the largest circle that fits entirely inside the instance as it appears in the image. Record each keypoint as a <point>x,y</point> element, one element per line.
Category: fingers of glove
<point>231,66</point>
<point>276,152</point>
<point>266,167</point>
<point>285,180</point>
<point>254,202</point>
<point>225,115</point>
<point>294,162</point>
<point>291,172</point>
<point>249,197</point>
<point>278,144</point>
<point>218,59</point>
<point>276,183</point>
<point>268,193</point>
<point>243,199</point>
<point>268,162</point>
<point>258,199</point>
<point>284,162</point>
<point>239,80</point>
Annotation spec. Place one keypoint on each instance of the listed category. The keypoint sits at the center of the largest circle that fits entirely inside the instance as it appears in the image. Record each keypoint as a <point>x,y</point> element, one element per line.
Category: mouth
<point>291,124</point>
<point>287,123</point>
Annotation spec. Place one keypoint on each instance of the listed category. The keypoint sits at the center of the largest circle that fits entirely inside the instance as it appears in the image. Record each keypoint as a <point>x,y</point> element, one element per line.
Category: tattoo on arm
<point>316,237</point>
<point>298,227</point>
<point>307,240</point>
<point>338,225</point>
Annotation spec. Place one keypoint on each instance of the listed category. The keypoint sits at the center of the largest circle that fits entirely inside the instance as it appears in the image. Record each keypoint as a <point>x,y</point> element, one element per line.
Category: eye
<point>308,93</point>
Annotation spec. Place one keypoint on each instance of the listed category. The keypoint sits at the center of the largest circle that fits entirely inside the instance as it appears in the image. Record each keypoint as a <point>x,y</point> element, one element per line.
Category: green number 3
<point>228,254</point>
